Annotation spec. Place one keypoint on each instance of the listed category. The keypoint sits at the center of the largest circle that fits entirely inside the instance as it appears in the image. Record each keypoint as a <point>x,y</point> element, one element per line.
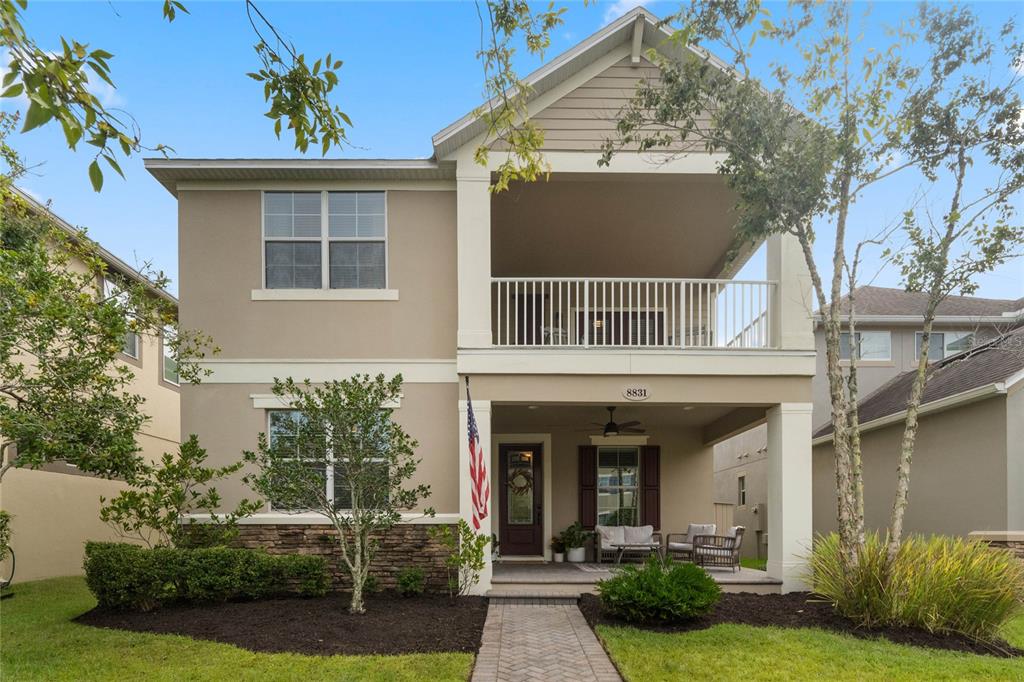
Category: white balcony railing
<point>584,312</point>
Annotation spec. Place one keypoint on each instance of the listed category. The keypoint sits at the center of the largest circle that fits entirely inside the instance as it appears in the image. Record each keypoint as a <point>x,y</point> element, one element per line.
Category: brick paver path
<point>540,642</point>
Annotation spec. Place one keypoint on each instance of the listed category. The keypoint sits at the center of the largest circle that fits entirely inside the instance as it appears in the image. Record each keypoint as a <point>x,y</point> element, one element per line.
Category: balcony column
<point>474,254</point>
<point>792,298</point>
<point>790,529</point>
<point>482,413</point>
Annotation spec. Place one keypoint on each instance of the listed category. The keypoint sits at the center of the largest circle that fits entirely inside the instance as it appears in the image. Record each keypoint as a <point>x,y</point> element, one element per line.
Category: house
<point>56,508</point>
<point>598,288</point>
<point>888,323</point>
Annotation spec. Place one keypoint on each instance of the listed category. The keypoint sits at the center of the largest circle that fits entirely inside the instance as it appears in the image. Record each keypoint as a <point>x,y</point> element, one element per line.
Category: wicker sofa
<point>615,542</point>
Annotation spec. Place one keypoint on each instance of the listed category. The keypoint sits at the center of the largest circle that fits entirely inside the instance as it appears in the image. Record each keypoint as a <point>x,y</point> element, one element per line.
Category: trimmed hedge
<point>659,593</point>
<point>126,576</point>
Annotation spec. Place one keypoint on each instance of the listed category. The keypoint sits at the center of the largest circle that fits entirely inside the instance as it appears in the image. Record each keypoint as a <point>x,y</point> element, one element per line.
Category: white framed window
<point>741,491</point>
<point>169,368</point>
<point>944,344</point>
<point>869,345</point>
<point>282,430</point>
<point>130,345</point>
<point>618,486</point>
<point>325,240</point>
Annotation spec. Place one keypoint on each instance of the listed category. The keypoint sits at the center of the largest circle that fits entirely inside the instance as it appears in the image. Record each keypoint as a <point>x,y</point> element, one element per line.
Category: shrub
<point>939,584</point>
<point>659,593</point>
<point>129,576</point>
<point>465,558</point>
<point>410,582</point>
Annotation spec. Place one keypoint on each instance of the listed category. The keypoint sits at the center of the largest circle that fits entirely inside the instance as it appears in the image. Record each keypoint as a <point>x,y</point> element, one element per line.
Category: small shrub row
<point>939,584</point>
<point>131,577</point>
<point>659,592</point>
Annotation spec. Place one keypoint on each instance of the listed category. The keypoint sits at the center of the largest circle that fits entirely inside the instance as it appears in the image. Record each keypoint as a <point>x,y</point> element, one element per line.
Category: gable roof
<point>571,62</point>
<point>1000,360</point>
<point>884,301</point>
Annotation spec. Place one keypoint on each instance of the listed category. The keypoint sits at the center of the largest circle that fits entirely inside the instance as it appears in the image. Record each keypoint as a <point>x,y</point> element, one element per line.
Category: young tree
<point>341,454</point>
<point>155,508</point>
<point>64,396</point>
<point>799,154</point>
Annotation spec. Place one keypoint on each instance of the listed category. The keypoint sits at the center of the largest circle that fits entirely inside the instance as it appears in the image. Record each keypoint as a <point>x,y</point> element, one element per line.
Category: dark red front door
<point>522,530</point>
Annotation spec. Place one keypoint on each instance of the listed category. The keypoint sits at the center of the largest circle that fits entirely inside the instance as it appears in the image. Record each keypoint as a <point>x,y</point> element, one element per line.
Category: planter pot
<point>559,557</point>
<point>577,554</point>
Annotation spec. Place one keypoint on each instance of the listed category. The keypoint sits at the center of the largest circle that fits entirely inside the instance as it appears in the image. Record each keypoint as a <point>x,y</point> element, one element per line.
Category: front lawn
<point>743,652</point>
<point>754,562</point>
<point>41,643</point>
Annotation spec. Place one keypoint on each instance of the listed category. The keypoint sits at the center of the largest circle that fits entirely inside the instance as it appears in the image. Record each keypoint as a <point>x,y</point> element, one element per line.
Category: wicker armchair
<point>680,545</point>
<point>719,550</point>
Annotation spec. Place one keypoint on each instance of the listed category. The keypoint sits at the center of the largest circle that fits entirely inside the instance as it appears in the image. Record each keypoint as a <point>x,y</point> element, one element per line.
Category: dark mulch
<point>801,610</point>
<point>322,626</point>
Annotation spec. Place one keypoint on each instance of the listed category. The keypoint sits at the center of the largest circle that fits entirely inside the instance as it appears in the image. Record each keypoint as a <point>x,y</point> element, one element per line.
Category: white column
<point>792,301</point>
<point>482,412</point>
<point>790,530</point>
<point>474,254</point>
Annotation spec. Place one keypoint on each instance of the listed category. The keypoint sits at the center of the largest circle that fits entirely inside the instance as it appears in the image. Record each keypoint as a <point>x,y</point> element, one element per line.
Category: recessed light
<point>533,407</point>
<point>687,408</point>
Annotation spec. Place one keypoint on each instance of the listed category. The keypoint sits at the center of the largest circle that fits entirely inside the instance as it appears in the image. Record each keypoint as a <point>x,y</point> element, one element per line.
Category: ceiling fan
<point>613,429</point>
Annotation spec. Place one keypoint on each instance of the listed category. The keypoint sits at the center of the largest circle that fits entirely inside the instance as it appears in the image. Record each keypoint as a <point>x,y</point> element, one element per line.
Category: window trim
<point>325,260</point>
<point>637,487</point>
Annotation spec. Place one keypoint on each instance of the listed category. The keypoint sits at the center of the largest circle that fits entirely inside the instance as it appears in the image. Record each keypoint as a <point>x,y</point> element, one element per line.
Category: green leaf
<point>10,76</point>
<point>36,116</point>
<point>14,90</point>
<point>113,164</point>
<point>96,175</point>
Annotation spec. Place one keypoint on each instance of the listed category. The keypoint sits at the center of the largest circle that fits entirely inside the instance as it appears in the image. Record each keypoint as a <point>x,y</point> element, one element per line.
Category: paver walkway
<point>540,642</point>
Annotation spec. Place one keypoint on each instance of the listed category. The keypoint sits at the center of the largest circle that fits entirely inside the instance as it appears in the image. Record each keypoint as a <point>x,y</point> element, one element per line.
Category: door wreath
<point>520,482</point>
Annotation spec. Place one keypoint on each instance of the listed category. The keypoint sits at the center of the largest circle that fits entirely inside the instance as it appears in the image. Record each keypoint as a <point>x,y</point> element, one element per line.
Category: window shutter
<point>650,494</point>
<point>588,485</point>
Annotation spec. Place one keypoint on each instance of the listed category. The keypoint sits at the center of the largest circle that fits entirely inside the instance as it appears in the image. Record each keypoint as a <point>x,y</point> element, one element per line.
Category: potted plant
<point>574,538</point>
<point>558,549</point>
<point>495,552</point>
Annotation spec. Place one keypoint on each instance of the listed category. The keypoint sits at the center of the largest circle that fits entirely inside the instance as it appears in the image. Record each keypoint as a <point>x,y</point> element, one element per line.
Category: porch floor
<point>565,579</point>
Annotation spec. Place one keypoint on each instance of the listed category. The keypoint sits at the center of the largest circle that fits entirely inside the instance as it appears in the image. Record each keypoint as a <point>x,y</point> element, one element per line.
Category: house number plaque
<point>636,393</point>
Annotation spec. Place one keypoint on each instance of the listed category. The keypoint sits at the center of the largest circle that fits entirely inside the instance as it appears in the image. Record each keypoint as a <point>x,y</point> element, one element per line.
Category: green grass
<point>753,562</point>
<point>41,643</point>
<point>740,652</point>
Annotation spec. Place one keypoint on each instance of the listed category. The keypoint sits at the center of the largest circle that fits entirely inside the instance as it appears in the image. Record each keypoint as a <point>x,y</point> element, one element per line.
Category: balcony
<point>631,313</point>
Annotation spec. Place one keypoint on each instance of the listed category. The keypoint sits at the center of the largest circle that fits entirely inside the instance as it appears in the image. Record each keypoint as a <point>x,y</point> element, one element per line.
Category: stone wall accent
<point>404,546</point>
<point>1011,540</point>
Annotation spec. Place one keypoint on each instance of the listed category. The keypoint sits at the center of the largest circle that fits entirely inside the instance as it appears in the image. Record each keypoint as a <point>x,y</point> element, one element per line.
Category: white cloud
<point>105,93</point>
<point>619,7</point>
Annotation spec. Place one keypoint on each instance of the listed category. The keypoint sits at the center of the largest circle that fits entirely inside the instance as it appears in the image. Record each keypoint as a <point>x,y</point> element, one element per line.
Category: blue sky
<point>410,69</point>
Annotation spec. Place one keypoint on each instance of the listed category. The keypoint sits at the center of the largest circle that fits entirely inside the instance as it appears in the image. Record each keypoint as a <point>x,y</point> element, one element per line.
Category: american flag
<point>481,487</point>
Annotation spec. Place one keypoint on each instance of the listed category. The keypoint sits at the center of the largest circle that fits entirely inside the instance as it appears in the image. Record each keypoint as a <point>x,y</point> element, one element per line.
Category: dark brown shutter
<point>650,493</point>
<point>588,485</point>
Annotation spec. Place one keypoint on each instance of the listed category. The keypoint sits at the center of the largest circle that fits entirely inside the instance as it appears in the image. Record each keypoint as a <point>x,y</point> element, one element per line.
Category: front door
<point>522,530</point>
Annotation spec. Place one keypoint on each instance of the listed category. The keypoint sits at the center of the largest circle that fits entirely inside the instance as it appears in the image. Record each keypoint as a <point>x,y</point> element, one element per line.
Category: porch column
<point>482,412</point>
<point>789,493</point>
<point>474,254</point>
<point>791,301</point>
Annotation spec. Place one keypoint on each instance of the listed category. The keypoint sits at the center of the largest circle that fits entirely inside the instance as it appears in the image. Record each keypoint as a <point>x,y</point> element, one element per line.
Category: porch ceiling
<point>621,225</point>
<point>522,418</point>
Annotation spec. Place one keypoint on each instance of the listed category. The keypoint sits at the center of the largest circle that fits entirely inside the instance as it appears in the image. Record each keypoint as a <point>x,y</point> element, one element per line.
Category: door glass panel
<point>520,487</point>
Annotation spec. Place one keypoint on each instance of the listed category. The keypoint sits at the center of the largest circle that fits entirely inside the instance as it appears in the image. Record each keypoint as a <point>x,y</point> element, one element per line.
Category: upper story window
<point>169,368</point>
<point>874,345</point>
<point>325,240</point>
<point>741,491</point>
<point>944,344</point>
<point>130,346</point>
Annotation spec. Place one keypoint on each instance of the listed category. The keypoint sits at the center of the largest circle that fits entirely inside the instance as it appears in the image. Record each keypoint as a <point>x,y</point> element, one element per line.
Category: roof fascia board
<point>919,319</point>
<point>951,401</point>
<point>289,164</point>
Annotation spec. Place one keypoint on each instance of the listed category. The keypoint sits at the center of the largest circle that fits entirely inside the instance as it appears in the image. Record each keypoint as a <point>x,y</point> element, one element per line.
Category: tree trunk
<point>358,574</point>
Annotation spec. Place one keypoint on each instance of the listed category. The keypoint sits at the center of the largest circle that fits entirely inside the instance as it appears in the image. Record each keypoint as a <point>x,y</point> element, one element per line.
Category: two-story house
<point>887,343</point>
<point>598,288</point>
<point>56,509</point>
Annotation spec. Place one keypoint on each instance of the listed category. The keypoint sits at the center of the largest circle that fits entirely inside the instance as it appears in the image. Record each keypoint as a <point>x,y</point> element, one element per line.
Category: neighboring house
<point>888,323</point>
<point>56,509</point>
<point>598,287</point>
<point>967,472</point>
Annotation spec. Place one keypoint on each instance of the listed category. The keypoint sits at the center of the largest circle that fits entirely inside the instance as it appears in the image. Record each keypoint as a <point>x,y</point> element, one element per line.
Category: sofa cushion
<point>695,529</point>
<point>681,546</point>
<point>611,535</point>
<point>639,535</point>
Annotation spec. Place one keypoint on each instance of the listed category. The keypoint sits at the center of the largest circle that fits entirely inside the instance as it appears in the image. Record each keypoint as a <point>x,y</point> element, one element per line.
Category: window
<point>283,431</point>
<point>741,491</point>
<point>170,363</point>
<point>617,486</point>
<point>944,344</point>
<point>321,240</point>
<point>870,345</point>
<point>130,346</point>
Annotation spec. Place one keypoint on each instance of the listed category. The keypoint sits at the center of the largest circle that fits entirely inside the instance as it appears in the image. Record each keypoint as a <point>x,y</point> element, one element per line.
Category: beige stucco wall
<point>223,417</point>
<point>220,254</point>
<point>957,476</point>
<point>744,455</point>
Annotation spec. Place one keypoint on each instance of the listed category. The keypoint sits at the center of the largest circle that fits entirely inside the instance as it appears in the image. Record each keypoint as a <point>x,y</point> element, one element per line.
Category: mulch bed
<point>801,610</point>
<point>321,626</point>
